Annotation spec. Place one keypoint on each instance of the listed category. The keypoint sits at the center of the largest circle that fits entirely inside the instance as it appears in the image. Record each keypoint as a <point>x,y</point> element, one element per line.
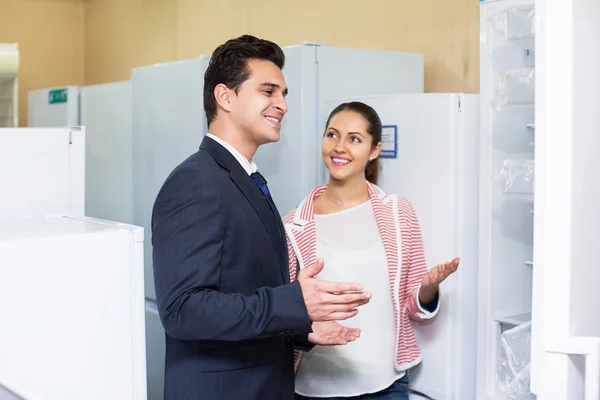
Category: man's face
<point>260,104</point>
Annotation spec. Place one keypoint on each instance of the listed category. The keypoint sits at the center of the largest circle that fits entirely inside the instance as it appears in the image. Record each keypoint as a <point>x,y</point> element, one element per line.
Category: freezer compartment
<point>507,178</point>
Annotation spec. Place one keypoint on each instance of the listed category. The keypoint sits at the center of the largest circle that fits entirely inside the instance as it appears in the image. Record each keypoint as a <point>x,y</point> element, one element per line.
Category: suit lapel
<point>255,198</point>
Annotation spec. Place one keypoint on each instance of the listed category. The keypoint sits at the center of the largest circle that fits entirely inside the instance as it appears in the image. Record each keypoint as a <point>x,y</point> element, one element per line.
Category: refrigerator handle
<point>589,347</point>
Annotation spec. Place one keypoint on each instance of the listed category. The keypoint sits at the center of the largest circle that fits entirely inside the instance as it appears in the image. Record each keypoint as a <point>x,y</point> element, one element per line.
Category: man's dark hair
<point>229,65</point>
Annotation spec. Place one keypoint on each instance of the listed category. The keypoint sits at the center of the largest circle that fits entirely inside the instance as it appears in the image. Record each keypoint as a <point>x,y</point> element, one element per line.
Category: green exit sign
<point>56,96</point>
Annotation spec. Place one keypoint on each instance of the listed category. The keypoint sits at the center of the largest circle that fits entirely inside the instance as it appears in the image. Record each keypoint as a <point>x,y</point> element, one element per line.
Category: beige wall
<point>75,42</point>
<point>151,31</point>
<point>50,35</point>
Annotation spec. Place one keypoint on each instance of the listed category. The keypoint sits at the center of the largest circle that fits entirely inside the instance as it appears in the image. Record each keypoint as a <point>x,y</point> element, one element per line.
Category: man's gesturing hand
<point>330,301</point>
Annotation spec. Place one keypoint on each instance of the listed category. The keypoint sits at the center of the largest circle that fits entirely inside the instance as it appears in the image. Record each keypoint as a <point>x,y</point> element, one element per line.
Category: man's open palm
<point>330,333</point>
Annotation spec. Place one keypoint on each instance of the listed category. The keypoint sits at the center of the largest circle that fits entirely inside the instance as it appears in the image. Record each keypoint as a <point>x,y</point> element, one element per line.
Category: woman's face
<point>348,146</point>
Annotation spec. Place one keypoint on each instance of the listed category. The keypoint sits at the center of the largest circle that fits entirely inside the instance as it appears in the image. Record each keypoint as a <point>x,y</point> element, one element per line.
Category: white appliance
<point>169,123</point>
<point>43,172</point>
<point>430,156</point>
<point>106,115</point>
<point>72,306</point>
<point>71,287</point>
<point>538,269</point>
<point>53,107</point>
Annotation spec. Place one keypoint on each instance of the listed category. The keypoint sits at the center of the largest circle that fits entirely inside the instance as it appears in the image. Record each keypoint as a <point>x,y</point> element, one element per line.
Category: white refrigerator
<point>106,116</point>
<point>71,287</point>
<point>539,331</point>
<point>430,156</point>
<point>43,172</point>
<point>72,306</point>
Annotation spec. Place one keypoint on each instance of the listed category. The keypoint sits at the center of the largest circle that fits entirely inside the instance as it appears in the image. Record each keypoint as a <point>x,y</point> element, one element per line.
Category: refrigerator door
<point>42,172</point>
<point>72,306</point>
<point>314,75</point>
<point>566,322</point>
<point>168,126</point>
<point>53,107</point>
<point>430,157</point>
<point>106,115</point>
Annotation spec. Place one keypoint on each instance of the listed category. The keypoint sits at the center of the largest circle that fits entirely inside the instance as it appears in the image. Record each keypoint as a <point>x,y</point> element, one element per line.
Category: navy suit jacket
<point>231,316</point>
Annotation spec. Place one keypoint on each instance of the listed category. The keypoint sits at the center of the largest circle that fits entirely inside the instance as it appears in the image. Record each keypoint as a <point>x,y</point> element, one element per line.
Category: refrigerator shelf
<point>514,320</point>
<point>529,263</point>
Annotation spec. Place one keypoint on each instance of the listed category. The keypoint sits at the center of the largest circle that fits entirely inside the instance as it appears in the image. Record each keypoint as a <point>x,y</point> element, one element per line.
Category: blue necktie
<point>261,183</point>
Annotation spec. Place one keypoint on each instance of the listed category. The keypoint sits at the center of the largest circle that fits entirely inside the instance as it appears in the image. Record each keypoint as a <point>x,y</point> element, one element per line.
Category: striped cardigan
<point>402,241</point>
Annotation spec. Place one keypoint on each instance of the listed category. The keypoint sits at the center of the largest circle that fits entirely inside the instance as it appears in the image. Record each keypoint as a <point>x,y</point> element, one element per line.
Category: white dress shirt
<point>249,166</point>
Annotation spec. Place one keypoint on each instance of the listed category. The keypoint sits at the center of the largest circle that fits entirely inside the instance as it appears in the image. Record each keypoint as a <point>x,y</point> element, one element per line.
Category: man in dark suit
<point>232,318</point>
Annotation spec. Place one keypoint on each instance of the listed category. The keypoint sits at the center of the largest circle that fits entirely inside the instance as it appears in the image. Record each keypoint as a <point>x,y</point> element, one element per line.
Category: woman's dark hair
<point>373,128</point>
<point>229,65</point>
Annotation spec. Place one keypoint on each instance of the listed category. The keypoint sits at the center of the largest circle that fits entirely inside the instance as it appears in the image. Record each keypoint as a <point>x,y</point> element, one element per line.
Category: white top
<point>351,246</point>
<point>249,166</point>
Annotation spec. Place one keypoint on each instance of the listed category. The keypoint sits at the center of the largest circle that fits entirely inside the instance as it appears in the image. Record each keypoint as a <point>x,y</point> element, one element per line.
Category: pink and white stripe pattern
<point>400,232</point>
